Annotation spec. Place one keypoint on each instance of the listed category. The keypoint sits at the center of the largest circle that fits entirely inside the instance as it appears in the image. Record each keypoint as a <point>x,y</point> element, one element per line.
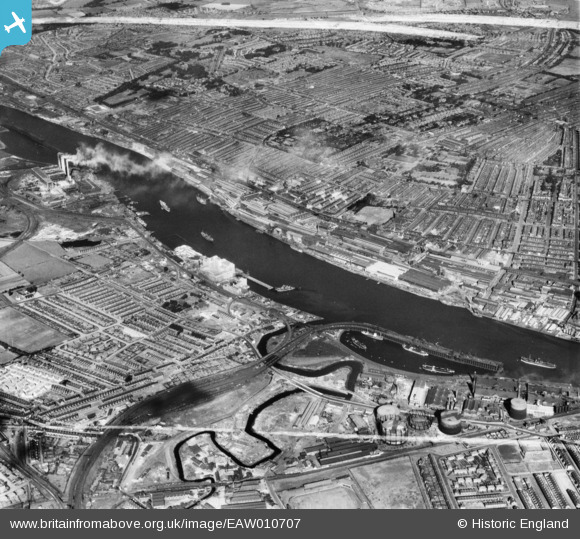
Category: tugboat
<point>201,200</point>
<point>415,350</point>
<point>206,236</point>
<point>437,370</point>
<point>537,362</point>
<point>285,288</point>
<point>359,344</point>
<point>164,206</point>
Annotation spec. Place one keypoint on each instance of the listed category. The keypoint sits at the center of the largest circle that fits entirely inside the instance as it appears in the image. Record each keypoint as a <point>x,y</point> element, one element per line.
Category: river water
<point>322,289</point>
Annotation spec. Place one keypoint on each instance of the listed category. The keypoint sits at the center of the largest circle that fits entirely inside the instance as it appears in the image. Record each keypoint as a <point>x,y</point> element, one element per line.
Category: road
<point>301,24</point>
<point>456,18</point>
<point>383,24</point>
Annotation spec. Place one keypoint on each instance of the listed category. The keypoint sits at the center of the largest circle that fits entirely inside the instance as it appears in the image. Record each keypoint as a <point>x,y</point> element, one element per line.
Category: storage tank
<point>517,408</point>
<point>449,422</point>
<point>420,422</point>
<point>387,411</point>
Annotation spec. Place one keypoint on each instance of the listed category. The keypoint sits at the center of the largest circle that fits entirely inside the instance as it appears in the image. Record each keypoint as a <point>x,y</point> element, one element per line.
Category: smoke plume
<point>121,163</point>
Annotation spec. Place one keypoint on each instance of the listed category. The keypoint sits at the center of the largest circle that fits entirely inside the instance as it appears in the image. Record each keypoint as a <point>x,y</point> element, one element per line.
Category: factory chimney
<point>64,163</point>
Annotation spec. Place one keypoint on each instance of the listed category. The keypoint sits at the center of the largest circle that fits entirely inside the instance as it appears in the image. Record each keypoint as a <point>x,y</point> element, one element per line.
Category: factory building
<point>218,270</point>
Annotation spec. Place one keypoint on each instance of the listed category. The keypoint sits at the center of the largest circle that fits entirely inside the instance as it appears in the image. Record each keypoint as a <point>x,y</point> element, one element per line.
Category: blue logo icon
<point>15,22</point>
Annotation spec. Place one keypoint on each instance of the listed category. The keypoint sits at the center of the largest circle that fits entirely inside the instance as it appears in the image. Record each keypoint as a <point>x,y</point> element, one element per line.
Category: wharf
<point>433,349</point>
<point>257,281</point>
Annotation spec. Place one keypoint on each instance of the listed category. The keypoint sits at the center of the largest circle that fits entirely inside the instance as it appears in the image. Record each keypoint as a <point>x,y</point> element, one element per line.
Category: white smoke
<point>121,163</point>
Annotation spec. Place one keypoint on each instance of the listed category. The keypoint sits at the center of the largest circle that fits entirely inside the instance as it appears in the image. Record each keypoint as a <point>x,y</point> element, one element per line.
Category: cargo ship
<point>164,206</point>
<point>415,350</point>
<point>206,236</point>
<point>437,370</point>
<point>426,348</point>
<point>284,288</point>
<point>375,336</point>
<point>201,200</point>
<point>537,362</point>
<point>359,344</point>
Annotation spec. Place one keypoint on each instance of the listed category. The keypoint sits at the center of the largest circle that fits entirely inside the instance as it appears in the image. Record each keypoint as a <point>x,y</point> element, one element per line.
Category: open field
<point>35,265</point>
<point>338,497</point>
<point>9,278</point>
<point>25,333</point>
<point>6,356</point>
<point>568,67</point>
<point>327,489</point>
<point>12,221</point>
<point>390,484</point>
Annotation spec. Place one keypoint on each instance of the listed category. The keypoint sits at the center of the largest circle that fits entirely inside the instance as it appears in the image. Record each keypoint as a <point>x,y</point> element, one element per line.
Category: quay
<point>257,281</point>
<point>433,349</point>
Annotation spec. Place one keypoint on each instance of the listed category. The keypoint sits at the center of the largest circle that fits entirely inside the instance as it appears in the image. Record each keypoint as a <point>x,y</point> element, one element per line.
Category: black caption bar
<point>18,524</point>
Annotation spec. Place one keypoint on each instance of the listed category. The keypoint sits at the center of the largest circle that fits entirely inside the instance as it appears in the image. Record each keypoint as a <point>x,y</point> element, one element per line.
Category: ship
<point>437,370</point>
<point>359,344</point>
<point>201,200</point>
<point>164,206</point>
<point>375,336</point>
<point>285,288</point>
<point>206,236</point>
<point>415,350</point>
<point>537,362</point>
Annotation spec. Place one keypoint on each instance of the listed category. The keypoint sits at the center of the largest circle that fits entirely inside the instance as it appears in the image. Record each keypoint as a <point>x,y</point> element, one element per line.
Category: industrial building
<point>218,270</point>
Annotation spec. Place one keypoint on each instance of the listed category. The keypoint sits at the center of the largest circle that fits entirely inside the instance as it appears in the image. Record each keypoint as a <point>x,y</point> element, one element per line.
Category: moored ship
<point>164,206</point>
<point>206,236</point>
<point>437,370</point>
<point>359,344</point>
<point>284,288</point>
<point>415,350</point>
<point>537,362</point>
<point>201,199</point>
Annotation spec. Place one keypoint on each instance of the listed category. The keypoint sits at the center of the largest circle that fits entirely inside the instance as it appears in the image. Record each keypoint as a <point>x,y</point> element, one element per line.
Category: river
<point>322,289</point>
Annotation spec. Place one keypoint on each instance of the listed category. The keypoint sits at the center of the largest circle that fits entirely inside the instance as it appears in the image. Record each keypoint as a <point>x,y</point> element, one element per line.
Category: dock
<point>257,281</point>
<point>433,349</point>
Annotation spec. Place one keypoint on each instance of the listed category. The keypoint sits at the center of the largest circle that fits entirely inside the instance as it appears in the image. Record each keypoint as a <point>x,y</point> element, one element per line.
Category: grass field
<point>339,497</point>
<point>35,265</point>
<point>568,67</point>
<point>25,333</point>
<point>390,484</point>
